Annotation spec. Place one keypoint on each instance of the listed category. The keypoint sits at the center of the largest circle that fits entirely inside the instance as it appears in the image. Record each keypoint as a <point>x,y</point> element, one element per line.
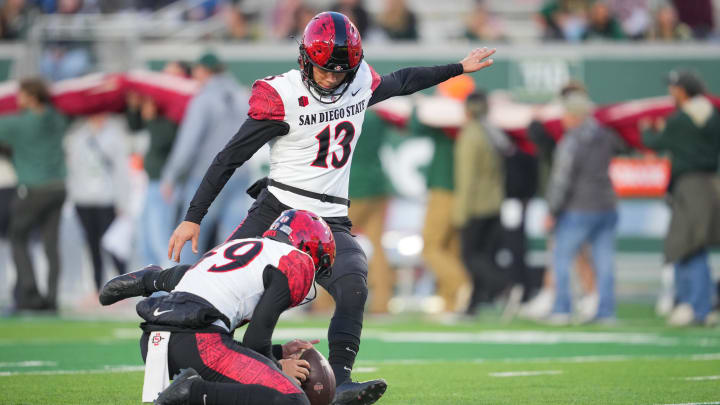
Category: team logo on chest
<point>332,115</point>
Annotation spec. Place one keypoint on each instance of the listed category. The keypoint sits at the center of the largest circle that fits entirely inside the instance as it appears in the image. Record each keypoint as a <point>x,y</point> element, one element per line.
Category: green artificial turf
<point>638,361</point>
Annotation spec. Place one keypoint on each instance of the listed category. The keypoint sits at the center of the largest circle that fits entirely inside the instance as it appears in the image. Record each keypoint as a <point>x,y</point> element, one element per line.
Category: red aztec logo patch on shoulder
<point>303,101</point>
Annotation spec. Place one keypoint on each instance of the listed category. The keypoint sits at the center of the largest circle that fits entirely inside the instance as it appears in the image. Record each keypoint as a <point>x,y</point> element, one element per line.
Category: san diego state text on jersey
<point>316,152</point>
<point>336,114</point>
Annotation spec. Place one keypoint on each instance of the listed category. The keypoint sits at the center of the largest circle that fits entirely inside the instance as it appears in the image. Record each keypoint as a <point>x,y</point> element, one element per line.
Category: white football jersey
<point>230,277</point>
<point>316,154</point>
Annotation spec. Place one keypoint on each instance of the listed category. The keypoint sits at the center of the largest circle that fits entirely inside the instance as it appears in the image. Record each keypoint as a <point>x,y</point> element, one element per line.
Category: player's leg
<point>348,287</point>
<point>188,388</point>
<point>143,282</point>
<point>231,373</point>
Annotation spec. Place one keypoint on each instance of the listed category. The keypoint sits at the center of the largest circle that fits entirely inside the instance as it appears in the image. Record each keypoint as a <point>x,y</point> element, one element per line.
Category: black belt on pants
<point>305,193</point>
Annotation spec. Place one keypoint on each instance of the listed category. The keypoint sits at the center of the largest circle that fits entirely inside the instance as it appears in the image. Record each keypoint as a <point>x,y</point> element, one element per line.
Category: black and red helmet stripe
<point>332,42</point>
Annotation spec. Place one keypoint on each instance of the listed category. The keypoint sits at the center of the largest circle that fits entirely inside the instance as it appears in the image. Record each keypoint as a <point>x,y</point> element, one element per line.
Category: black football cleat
<point>359,393</point>
<point>126,286</point>
<point>178,393</point>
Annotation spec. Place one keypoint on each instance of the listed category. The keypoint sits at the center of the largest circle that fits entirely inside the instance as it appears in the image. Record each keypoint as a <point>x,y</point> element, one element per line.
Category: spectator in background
<point>541,304</point>
<point>8,182</point>
<point>479,183</point>
<point>203,10</point>
<point>369,192</point>
<point>14,20</point>
<point>98,181</point>
<point>303,15</point>
<point>441,241</point>
<point>35,136</point>
<point>480,25</point>
<point>290,18</point>
<point>237,24</point>
<point>633,15</point>
<point>355,11</point>
<point>217,110</point>
<point>564,19</point>
<point>601,24</point>
<point>582,202</point>
<point>398,21</point>
<point>698,15</point>
<point>156,220</point>
<point>667,26</point>
<point>66,59</point>
<point>692,137</point>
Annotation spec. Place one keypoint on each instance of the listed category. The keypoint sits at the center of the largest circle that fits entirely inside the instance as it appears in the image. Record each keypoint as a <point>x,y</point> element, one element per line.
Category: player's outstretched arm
<point>477,59</point>
<point>410,80</point>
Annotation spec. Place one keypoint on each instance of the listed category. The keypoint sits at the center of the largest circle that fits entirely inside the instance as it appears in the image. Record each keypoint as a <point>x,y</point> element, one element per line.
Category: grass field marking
<point>703,378</point>
<point>104,370</point>
<point>365,370</point>
<point>29,363</point>
<point>527,337</point>
<point>570,359</point>
<point>707,356</point>
<point>506,374</point>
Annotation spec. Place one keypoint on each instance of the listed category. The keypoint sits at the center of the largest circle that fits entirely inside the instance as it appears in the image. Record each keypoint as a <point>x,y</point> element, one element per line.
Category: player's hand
<point>184,232</point>
<point>294,348</point>
<point>477,59</point>
<point>297,369</point>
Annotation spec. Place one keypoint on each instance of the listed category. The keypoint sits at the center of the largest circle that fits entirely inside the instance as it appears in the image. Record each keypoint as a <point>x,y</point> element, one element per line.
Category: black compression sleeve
<point>251,136</point>
<point>273,302</point>
<point>409,80</point>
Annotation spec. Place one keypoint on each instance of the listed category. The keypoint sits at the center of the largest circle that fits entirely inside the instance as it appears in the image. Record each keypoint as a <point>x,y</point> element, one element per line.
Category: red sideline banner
<point>634,177</point>
<point>101,92</point>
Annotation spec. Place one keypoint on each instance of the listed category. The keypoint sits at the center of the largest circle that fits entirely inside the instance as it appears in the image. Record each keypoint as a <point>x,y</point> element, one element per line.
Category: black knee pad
<point>350,293</point>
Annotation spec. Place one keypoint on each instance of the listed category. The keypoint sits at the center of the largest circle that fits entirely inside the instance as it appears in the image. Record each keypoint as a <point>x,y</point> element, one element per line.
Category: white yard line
<point>106,369</point>
<point>365,369</point>
<point>695,403</point>
<point>570,359</point>
<point>524,373</point>
<point>29,363</point>
<point>703,378</point>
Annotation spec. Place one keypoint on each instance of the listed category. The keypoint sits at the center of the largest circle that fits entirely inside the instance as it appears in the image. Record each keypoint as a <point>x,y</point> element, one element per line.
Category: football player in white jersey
<point>312,118</point>
<point>242,281</point>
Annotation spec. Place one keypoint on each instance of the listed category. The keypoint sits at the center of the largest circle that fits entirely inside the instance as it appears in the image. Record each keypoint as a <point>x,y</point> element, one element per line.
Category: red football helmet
<point>308,233</point>
<point>332,43</point>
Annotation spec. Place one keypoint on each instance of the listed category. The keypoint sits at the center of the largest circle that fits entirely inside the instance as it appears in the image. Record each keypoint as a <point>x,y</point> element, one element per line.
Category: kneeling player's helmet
<point>308,233</point>
<point>332,43</point>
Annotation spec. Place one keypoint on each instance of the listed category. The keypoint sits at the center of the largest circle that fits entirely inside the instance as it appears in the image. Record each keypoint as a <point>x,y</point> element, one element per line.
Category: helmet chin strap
<point>308,298</point>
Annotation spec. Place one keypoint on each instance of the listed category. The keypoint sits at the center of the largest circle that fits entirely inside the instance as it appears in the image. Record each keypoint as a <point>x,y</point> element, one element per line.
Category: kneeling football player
<point>241,281</point>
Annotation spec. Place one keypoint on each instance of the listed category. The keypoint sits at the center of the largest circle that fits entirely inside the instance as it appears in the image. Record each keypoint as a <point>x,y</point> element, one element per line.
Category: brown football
<point>320,384</point>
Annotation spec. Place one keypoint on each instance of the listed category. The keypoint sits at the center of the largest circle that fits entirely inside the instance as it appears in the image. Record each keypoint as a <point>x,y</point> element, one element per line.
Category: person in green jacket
<point>692,137</point>
<point>35,135</point>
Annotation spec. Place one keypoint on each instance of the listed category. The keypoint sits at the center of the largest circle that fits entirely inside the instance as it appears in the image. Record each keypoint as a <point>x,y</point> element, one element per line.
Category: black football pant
<point>478,239</point>
<point>347,285</point>
<point>95,221</point>
<point>34,208</point>
<point>231,373</point>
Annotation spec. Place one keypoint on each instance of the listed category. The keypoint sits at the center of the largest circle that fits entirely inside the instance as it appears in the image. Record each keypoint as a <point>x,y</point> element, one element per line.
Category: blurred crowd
<point>397,20</point>
<point>480,181</point>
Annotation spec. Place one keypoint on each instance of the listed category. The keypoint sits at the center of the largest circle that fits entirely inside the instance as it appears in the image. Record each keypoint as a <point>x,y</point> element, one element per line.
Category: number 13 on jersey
<point>344,130</point>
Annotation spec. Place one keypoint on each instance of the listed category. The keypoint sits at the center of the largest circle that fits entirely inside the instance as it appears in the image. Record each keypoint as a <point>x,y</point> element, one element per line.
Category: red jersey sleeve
<point>376,79</point>
<point>299,270</point>
<point>265,103</point>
